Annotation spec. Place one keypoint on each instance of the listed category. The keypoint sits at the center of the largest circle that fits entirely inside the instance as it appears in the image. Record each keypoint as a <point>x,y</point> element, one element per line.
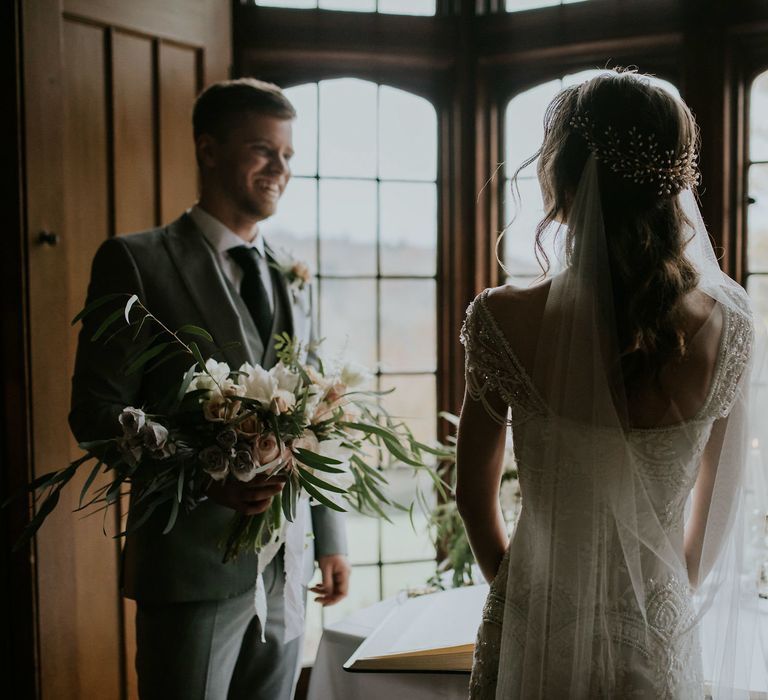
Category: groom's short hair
<point>220,104</point>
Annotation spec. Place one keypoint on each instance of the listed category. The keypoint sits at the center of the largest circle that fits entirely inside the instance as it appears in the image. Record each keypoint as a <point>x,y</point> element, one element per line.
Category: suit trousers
<point>212,650</point>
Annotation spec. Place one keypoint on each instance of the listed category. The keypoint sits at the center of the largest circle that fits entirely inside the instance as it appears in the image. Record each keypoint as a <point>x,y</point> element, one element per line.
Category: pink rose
<point>266,449</point>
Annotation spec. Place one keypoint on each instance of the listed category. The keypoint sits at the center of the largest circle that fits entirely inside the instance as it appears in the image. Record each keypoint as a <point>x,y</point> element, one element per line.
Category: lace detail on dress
<point>491,366</point>
<point>735,351</point>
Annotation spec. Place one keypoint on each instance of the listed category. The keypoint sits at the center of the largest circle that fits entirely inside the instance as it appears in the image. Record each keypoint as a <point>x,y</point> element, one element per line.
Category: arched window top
<point>523,134</point>
<point>367,131</point>
<point>389,7</point>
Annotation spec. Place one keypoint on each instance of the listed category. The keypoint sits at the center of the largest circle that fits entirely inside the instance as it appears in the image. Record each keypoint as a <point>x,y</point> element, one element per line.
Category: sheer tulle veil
<point>601,544</point>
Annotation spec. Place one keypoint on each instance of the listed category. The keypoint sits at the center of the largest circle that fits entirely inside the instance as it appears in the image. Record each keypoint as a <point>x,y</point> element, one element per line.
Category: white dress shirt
<point>222,239</point>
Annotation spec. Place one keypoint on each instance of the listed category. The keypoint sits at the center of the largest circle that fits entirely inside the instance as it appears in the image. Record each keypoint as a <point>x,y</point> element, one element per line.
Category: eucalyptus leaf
<point>145,357</point>
<point>95,304</point>
<point>129,306</point>
<point>306,474</point>
<point>195,330</point>
<point>312,491</point>
<point>106,323</point>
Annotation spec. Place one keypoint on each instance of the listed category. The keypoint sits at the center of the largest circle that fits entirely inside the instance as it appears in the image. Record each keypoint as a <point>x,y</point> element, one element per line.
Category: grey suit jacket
<point>176,275</point>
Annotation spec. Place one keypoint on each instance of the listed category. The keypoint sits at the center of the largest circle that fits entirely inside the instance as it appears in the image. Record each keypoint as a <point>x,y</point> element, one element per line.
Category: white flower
<point>286,378</point>
<point>355,375</point>
<point>257,383</point>
<point>132,420</point>
<point>214,379</point>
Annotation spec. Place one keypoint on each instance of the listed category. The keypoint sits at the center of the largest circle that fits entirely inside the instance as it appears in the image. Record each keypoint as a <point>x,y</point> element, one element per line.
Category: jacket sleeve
<point>100,387</point>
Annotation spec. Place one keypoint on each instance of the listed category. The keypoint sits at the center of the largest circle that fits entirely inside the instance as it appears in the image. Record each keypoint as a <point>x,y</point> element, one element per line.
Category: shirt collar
<point>220,237</point>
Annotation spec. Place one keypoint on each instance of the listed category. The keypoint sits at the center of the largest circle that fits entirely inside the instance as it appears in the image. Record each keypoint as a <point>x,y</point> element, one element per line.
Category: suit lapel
<point>226,316</point>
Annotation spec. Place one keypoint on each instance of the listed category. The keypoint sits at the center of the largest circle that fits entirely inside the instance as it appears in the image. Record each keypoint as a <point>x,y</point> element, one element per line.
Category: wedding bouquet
<point>311,423</point>
<point>448,528</point>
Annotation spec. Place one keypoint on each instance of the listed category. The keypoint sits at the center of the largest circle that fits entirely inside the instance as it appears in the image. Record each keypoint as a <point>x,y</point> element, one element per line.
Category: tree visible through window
<point>361,209</point>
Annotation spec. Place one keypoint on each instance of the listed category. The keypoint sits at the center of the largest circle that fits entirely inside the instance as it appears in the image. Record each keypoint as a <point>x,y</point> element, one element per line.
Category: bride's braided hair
<point>643,218</point>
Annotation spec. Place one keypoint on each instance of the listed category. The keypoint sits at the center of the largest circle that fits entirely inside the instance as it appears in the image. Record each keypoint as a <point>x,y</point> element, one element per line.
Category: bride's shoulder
<point>512,301</point>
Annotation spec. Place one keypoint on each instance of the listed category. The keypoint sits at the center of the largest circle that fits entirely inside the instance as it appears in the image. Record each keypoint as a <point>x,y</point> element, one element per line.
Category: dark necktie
<point>252,289</point>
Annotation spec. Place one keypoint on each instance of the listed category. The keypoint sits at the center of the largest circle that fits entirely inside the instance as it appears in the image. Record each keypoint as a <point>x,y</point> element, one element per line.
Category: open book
<point>433,633</point>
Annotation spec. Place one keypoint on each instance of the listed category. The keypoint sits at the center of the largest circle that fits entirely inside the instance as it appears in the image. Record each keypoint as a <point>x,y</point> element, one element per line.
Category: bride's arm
<point>695,528</point>
<point>479,464</point>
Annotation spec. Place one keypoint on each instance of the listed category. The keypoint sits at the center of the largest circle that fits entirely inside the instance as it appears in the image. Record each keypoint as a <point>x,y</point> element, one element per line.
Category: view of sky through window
<point>392,7</point>
<point>523,134</point>
<point>361,210</point>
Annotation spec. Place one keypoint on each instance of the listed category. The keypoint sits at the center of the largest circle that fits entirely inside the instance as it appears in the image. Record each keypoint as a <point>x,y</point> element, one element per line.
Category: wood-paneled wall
<point>109,88</point>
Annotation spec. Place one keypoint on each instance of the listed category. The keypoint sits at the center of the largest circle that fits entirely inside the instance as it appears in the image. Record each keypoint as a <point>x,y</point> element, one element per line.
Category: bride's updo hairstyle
<point>645,142</point>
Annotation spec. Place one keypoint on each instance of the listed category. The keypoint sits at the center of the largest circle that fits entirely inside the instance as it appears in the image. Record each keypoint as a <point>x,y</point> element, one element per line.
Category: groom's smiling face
<point>250,165</point>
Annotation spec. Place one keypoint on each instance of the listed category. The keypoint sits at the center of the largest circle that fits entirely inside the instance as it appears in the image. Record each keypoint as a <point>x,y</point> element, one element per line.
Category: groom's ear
<point>205,150</point>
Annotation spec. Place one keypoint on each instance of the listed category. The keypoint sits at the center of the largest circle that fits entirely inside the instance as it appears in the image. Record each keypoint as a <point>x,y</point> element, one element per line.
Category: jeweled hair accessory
<point>638,157</point>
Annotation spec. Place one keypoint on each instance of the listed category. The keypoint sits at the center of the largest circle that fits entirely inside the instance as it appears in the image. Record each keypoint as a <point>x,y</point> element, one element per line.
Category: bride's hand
<point>249,498</point>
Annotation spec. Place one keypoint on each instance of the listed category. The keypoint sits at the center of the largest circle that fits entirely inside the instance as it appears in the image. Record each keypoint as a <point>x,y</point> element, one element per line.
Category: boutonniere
<point>296,273</point>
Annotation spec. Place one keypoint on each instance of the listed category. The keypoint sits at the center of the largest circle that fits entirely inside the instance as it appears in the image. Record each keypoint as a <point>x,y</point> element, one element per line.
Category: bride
<point>627,379</point>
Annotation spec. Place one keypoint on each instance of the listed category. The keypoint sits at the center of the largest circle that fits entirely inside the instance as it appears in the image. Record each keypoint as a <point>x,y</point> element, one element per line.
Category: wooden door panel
<point>178,86</point>
<point>108,93</point>
<point>134,144</point>
<point>86,225</point>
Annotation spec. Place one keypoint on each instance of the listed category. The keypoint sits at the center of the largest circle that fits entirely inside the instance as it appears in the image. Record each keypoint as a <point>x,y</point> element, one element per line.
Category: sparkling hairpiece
<point>638,157</point>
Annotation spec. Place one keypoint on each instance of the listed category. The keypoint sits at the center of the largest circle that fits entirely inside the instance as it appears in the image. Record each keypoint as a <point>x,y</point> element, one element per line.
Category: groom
<point>197,632</point>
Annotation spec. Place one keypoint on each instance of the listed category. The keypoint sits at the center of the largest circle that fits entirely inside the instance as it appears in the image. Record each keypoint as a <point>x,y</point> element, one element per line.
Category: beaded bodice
<point>665,662</point>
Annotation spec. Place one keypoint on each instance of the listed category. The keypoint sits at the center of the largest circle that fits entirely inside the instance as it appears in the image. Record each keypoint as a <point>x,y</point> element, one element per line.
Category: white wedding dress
<point>551,624</point>
<point>592,598</point>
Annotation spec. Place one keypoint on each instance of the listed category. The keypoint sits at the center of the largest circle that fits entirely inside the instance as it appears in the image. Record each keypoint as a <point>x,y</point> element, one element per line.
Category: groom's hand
<point>335,571</point>
<point>249,498</point>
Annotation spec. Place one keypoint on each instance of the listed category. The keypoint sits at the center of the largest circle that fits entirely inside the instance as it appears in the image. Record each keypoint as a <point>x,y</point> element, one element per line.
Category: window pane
<point>757,286</point>
<point>348,320</point>
<point>304,99</point>
<point>524,126</point>
<point>757,220</point>
<point>520,235</point>
<point>298,4</point>
<point>407,136</point>
<point>407,7</point>
<point>347,227</point>
<point>400,577</point>
<point>348,5</point>
<point>408,334</point>
<point>399,541</point>
<point>294,226</point>
<point>517,5</point>
<point>408,228</point>
<point>363,591</point>
<point>363,538</point>
<point>413,400</point>
<point>348,128</point>
<point>758,118</point>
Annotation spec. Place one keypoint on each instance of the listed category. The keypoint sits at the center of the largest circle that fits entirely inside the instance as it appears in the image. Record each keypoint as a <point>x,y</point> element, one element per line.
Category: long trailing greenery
<point>315,425</point>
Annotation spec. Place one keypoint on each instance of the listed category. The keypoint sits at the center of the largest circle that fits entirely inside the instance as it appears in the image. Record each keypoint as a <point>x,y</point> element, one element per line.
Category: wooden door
<point>109,88</point>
